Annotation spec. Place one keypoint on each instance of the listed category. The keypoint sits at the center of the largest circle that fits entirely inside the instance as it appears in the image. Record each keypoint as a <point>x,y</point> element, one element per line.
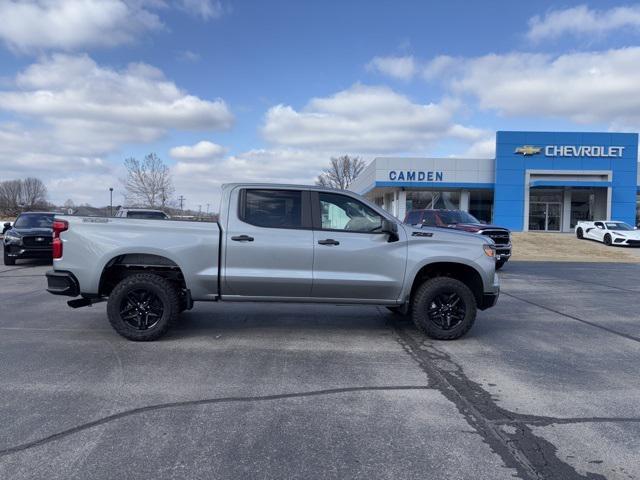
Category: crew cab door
<point>353,259</point>
<point>268,248</point>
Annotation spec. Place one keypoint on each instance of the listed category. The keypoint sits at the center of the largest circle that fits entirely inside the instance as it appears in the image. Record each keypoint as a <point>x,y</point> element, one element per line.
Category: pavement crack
<point>209,401</point>
<point>573,317</point>
<point>508,434</point>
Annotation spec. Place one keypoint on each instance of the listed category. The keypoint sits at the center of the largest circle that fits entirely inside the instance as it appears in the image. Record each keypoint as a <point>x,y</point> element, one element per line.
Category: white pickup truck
<point>282,243</point>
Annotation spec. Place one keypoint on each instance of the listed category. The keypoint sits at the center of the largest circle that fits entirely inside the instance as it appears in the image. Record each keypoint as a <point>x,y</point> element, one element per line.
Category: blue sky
<point>244,91</point>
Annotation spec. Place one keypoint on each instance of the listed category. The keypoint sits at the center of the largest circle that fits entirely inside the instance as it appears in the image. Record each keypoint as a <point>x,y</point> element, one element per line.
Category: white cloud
<point>70,24</point>
<point>205,9</point>
<point>403,68</point>
<point>200,181</point>
<point>91,109</point>
<point>583,21</point>
<point>203,150</point>
<point>70,113</point>
<point>586,88</point>
<point>363,119</point>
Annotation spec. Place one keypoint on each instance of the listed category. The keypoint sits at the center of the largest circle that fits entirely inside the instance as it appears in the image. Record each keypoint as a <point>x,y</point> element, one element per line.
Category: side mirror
<point>390,228</point>
<point>7,225</point>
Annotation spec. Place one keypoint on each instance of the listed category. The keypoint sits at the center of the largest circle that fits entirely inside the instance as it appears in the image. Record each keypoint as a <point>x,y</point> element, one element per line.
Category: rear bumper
<point>62,283</point>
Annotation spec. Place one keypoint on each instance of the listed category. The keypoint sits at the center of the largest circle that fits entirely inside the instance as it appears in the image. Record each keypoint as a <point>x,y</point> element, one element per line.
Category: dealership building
<point>538,181</point>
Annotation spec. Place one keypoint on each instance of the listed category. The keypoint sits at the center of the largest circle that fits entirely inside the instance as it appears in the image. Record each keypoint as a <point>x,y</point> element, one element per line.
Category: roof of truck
<point>281,185</point>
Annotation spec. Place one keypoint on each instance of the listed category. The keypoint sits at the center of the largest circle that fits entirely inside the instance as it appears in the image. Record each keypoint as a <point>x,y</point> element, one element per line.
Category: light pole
<point>111,201</point>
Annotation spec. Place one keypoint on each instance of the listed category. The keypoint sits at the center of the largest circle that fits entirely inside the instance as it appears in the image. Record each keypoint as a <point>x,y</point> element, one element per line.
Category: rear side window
<point>272,208</point>
<point>147,215</point>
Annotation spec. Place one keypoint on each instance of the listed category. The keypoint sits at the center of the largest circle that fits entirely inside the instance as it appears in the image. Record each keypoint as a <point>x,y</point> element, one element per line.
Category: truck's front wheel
<point>142,307</point>
<point>443,308</point>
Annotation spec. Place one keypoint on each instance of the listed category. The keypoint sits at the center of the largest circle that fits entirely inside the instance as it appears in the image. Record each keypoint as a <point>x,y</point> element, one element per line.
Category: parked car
<point>464,221</point>
<point>609,232</point>
<point>273,243</point>
<point>143,213</point>
<point>30,236</point>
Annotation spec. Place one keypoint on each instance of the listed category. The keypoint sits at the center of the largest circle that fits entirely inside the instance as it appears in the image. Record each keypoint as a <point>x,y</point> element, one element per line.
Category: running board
<point>84,302</point>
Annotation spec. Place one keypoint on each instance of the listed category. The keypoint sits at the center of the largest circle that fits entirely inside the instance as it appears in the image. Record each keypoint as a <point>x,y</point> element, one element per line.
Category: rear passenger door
<point>269,244</point>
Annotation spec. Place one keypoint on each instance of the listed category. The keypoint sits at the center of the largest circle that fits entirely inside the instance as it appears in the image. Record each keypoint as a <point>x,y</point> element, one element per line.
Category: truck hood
<point>41,232</point>
<point>444,233</point>
<point>475,227</point>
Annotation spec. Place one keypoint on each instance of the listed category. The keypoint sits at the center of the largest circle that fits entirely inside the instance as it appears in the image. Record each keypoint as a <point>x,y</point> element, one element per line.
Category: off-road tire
<point>607,240</point>
<point>580,234</point>
<point>161,288</point>
<point>424,297</point>
<point>9,261</point>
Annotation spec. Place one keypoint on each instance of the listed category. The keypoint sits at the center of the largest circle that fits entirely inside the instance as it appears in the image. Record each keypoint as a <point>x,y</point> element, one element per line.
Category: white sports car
<point>609,232</point>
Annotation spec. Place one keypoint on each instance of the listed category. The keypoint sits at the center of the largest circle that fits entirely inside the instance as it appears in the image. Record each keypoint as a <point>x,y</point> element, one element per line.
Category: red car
<point>459,220</point>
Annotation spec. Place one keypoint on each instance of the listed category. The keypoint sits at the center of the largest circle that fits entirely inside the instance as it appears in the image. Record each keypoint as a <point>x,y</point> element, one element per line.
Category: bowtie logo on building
<point>527,150</point>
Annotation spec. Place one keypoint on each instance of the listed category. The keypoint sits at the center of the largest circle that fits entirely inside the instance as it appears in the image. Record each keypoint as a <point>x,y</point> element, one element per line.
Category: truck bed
<point>99,241</point>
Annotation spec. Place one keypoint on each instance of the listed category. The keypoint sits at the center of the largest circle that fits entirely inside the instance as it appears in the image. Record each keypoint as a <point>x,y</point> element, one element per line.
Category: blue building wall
<point>510,168</point>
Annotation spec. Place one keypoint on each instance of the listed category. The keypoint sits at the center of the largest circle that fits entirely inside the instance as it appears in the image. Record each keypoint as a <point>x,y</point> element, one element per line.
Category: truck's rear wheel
<point>142,307</point>
<point>443,308</point>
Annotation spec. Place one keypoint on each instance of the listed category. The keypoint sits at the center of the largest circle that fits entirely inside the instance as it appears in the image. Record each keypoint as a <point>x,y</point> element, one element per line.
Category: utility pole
<point>207,209</point>
<point>111,201</point>
<point>199,211</point>
<point>182,199</point>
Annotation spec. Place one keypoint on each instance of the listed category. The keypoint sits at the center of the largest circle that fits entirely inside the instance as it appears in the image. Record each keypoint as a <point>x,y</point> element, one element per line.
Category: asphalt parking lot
<point>546,385</point>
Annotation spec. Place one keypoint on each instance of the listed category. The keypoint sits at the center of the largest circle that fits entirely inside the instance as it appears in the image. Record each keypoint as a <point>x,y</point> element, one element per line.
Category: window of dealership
<point>538,181</point>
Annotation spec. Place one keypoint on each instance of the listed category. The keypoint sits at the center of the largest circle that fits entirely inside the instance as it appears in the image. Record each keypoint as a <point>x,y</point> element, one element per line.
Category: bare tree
<point>10,196</point>
<point>34,193</point>
<point>341,173</point>
<point>148,181</point>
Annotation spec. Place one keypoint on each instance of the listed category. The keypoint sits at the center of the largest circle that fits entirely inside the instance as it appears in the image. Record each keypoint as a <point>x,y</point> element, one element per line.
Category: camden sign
<point>415,176</point>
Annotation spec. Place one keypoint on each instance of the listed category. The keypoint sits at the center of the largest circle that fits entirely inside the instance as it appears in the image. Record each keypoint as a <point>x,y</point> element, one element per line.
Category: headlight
<point>489,250</point>
<point>12,237</point>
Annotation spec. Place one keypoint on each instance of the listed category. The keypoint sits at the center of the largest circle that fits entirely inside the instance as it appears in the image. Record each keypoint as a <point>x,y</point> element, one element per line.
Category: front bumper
<point>503,252</point>
<point>489,300</point>
<point>20,251</point>
<point>62,283</point>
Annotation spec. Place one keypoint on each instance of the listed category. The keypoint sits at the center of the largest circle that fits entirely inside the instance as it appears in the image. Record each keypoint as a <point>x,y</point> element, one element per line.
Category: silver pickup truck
<point>275,243</point>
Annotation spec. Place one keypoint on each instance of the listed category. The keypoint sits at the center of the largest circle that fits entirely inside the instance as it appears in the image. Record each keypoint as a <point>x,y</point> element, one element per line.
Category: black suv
<point>30,237</point>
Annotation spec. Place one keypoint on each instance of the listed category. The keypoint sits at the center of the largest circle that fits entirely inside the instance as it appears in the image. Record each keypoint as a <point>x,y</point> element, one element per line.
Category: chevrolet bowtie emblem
<point>528,150</point>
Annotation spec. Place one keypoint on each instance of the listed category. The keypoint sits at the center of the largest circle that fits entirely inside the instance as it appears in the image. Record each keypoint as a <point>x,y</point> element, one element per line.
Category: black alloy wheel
<point>447,310</point>
<point>607,240</point>
<point>579,234</point>
<point>443,308</point>
<point>141,309</point>
<point>143,306</point>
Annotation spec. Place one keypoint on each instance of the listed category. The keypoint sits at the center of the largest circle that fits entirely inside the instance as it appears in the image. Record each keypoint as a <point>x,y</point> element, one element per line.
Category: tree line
<point>22,195</point>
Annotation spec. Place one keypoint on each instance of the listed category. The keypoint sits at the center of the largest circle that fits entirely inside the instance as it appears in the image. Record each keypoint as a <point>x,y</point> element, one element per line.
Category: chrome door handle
<point>242,238</point>
<point>329,241</point>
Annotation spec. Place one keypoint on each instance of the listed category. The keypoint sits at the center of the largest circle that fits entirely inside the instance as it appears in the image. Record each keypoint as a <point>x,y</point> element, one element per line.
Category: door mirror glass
<point>7,225</point>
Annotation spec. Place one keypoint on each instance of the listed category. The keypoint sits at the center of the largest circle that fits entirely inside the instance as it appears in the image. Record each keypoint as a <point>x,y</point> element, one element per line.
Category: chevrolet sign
<point>582,151</point>
<point>572,151</point>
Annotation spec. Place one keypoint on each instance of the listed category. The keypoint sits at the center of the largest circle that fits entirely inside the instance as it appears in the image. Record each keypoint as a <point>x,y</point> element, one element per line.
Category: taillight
<point>58,227</point>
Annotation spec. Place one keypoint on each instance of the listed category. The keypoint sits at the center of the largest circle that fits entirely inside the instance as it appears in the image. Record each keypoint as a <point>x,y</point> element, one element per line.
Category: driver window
<point>599,225</point>
<point>339,212</point>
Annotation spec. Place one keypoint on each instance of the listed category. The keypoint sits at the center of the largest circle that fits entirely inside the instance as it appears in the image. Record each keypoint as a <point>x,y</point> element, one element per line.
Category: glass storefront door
<point>545,216</point>
<point>545,209</point>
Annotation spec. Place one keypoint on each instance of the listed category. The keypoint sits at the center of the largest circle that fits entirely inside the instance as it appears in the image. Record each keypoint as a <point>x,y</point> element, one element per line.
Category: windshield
<point>147,215</point>
<point>618,226</point>
<point>452,217</point>
<point>34,220</point>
